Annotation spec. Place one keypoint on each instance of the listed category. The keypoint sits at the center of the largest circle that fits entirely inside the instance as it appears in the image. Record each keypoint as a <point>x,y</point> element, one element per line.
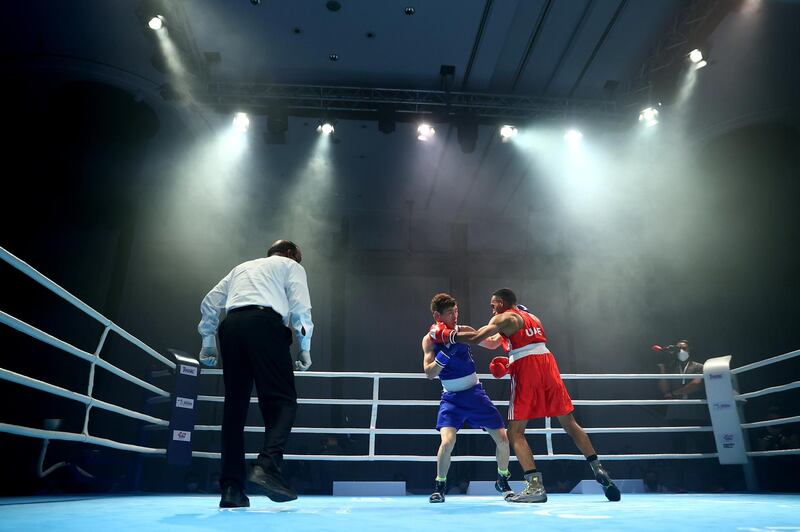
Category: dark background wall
<point>106,193</point>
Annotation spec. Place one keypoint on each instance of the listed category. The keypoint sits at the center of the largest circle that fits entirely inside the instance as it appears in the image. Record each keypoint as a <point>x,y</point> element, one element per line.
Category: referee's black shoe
<point>233,497</point>
<point>271,482</point>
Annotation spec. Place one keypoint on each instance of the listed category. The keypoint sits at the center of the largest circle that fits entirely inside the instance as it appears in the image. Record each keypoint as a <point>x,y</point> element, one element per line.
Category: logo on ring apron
<point>181,435</point>
<point>183,402</point>
<point>188,370</point>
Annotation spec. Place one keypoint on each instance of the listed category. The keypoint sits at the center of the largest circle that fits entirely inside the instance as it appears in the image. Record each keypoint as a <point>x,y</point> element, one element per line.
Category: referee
<point>262,298</point>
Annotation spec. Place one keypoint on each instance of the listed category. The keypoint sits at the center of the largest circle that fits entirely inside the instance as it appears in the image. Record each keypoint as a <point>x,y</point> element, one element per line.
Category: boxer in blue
<point>463,396</point>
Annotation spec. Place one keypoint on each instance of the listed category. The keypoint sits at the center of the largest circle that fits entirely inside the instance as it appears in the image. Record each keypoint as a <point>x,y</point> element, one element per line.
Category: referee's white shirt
<point>276,282</point>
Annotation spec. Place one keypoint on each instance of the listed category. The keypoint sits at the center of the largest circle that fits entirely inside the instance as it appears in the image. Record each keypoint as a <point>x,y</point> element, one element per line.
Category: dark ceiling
<point>536,58</point>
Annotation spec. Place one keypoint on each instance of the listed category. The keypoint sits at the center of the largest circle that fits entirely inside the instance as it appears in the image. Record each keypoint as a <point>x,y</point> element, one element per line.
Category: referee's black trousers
<point>254,345</point>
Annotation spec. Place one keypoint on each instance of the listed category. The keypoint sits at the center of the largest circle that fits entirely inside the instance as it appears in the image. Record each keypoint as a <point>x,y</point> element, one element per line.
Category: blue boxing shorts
<point>471,405</point>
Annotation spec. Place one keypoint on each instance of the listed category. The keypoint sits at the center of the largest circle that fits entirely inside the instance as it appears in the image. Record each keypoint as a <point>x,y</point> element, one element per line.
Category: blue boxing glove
<point>441,359</point>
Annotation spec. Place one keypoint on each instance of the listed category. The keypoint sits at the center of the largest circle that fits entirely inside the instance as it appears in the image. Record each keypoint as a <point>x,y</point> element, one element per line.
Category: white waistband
<point>461,383</point>
<point>530,349</point>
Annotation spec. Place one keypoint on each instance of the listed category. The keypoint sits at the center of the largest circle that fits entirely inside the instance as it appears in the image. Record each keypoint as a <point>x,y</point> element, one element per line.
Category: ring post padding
<point>725,420</point>
<point>184,403</point>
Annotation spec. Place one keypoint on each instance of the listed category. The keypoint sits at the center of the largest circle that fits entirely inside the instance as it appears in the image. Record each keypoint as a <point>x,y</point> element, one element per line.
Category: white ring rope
<point>766,391</point>
<point>34,274</point>
<point>38,334</point>
<point>72,436</point>
<point>462,458</point>
<point>487,376</point>
<point>777,452</point>
<point>75,396</point>
<point>374,403</point>
<point>410,432</point>
<point>372,431</point>
<point>373,417</point>
<point>94,361</point>
<point>141,345</point>
<point>31,272</point>
<point>770,422</point>
<point>432,402</point>
<point>766,362</point>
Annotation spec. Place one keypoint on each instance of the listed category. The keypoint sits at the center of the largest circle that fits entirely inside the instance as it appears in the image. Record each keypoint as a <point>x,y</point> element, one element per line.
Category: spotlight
<point>701,64</point>
<point>425,132</point>
<point>573,136</point>
<point>695,56</point>
<point>649,116</point>
<point>241,122</point>
<point>508,132</point>
<point>156,23</point>
<point>326,128</point>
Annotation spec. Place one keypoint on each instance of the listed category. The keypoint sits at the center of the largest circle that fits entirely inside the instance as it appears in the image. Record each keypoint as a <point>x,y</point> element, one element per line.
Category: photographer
<point>678,359</point>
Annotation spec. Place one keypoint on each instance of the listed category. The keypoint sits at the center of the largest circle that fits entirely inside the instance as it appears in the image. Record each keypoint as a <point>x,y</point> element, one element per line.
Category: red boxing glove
<point>440,334</point>
<point>499,367</point>
<point>657,348</point>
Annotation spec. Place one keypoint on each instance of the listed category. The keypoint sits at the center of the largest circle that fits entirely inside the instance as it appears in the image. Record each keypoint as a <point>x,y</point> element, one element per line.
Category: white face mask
<point>683,356</point>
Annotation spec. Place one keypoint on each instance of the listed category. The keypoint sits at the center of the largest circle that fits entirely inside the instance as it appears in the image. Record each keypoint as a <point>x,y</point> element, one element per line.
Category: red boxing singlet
<point>536,386</point>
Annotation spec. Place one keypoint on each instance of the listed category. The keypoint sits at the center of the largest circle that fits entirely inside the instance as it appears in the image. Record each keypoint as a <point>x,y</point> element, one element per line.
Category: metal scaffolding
<point>689,28</point>
<point>406,104</point>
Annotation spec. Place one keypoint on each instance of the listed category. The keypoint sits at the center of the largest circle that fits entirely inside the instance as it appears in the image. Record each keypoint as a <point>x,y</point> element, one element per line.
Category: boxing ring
<point>656,511</point>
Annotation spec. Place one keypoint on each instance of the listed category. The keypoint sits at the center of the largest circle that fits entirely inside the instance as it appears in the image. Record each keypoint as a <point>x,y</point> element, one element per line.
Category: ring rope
<point>488,376</point>
<point>766,362</point>
<point>777,452</point>
<point>463,458</point>
<point>73,436</point>
<point>38,334</point>
<point>410,432</point>
<point>431,402</point>
<point>34,274</point>
<point>770,422</point>
<point>75,396</point>
<point>372,431</point>
<point>772,389</point>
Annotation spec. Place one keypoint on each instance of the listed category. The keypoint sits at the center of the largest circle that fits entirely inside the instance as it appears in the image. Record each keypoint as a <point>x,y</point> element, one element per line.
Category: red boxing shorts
<point>537,389</point>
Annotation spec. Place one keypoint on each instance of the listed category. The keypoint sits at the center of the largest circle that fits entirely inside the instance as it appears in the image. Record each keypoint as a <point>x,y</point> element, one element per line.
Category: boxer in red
<point>536,388</point>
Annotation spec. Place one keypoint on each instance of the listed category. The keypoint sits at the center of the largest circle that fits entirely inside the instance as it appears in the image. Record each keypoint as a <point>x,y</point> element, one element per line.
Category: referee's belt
<point>530,349</point>
<point>255,307</point>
